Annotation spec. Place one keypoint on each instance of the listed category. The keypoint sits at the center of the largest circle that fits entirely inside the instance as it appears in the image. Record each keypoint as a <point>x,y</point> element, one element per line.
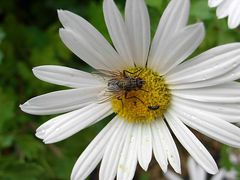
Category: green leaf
<point>7,107</point>
<point>6,140</point>
<point>200,10</point>
<point>18,170</point>
<point>224,158</point>
<point>29,146</point>
<point>2,35</point>
<point>144,176</point>
<point>155,4</point>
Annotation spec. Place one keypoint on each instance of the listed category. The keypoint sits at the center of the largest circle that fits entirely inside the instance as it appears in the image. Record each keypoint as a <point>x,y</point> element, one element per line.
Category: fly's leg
<point>143,90</point>
<point>126,71</point>
<point>133,97</point>
<point>120,98</point>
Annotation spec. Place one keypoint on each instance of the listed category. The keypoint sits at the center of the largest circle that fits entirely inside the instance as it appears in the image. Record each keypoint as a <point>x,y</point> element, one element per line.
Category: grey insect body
<point>125,83</point>
<point>121,83</point>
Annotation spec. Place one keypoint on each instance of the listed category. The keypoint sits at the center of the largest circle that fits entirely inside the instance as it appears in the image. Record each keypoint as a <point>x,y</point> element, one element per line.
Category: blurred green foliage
<point>29,38</point>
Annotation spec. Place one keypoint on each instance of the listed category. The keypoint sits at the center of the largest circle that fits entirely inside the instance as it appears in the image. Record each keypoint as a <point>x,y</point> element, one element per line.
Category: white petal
<point>172,176</point>
<point>65,76</point>
<point>174,18</point>
<point>92,155</point>
<point>61,101</point>
<point>118,31</point>
<point>112,153</point>
<point>219,175</point>
<point>227,112</point>
<point>214,3</point>
<point>195,172</point>
<point>169,145</point>
<point>81,47</point>
<point>128,160</point>
<point>211,126</point>
<point>210,64</point>
<point>201,173</point>
<point>192,168</point>
<point>234,15</point>
<point>87,43</point>
<point>227,77</point>
<point>178,48</point>
<point>191,143</point>
<point>158,147</point>
<point>144,144</point>
<point>223,93</point>
<point>138,26</point>
<point>64,126</point>
<point>223,9</point>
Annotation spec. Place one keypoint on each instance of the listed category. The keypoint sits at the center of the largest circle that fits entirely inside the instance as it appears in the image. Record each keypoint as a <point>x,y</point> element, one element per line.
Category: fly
<point>121,83</point>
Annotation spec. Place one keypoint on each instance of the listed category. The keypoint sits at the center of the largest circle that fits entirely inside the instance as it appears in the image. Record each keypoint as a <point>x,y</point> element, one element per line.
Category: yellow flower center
<point>144,95</point>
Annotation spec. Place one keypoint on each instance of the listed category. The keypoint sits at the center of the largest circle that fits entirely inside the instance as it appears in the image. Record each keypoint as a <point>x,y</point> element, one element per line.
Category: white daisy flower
<point>230,8</point>
<point>150,88</point>
<point>195,172</point>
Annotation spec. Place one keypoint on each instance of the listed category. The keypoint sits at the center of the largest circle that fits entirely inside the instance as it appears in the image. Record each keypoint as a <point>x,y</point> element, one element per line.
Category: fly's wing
<point>108,74</point>
<point>103,96</point>
<point>106,95</point>
<point>112,90</point>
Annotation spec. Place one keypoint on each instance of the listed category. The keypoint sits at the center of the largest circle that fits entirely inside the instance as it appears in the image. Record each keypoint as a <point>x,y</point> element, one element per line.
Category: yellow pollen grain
<point>145,104</point>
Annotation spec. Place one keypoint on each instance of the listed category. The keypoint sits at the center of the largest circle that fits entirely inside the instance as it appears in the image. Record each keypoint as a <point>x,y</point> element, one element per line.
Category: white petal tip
<point>60,11</point>
<point>200,26</point>
<point>24,107</point>
<point>178,170</point>
<point>145,167</point>
<point>28,108</point>
<point>37,71</point>
<point>38,68</point>
<point>20,106</point>
<point>214,171</point>
<point>40,134</point>
<point>164,170</point>
<point>211,5</point>
<point>63,16</point>
<point>49,141</point>
<point>232,26</point>
<point>176,167</point>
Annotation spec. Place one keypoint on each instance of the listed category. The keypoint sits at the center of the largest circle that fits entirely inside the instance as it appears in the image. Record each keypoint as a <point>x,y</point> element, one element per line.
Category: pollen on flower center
<point>144,96</point>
